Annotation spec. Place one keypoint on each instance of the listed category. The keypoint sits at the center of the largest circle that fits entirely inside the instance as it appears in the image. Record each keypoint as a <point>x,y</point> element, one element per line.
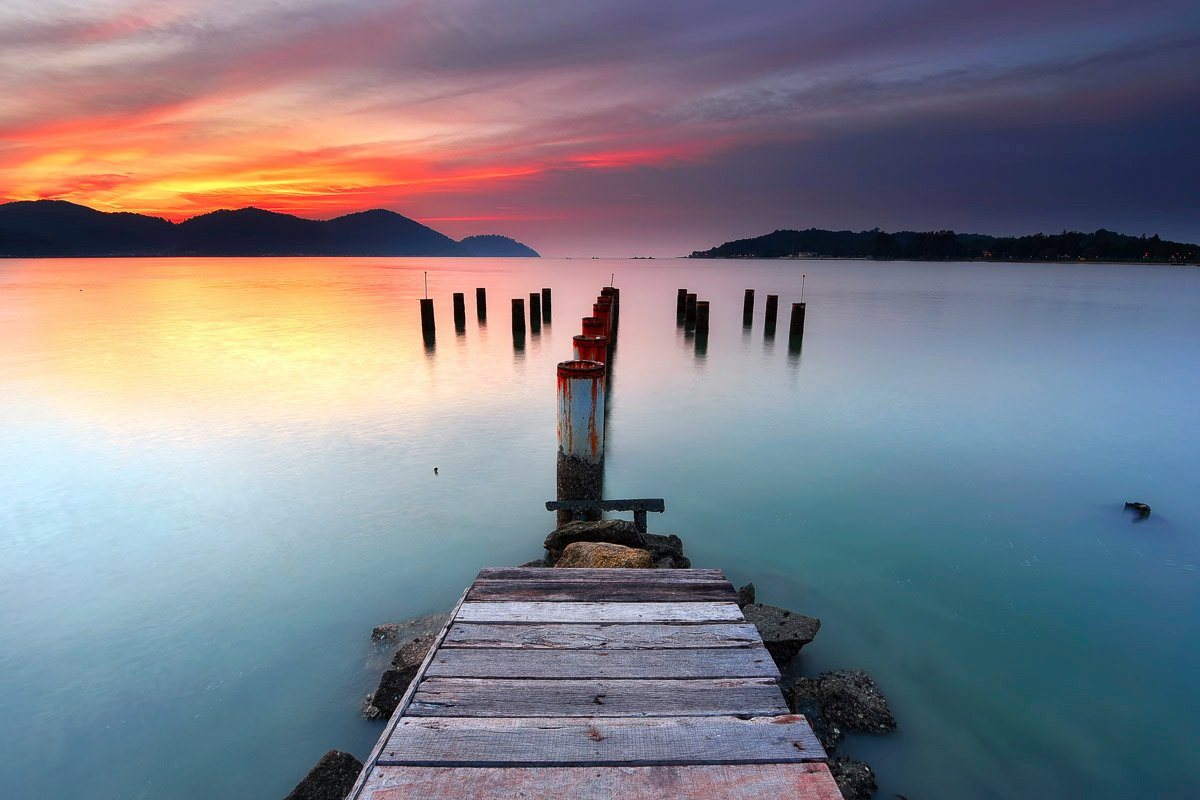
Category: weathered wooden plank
<point>613,636</point>
<point>749,662</point>
<point>804,781</point>
<point>572,591</point>
<point>605,575</point>
<point>509,611</point>
<point>545,741</point>
<point>506,697</point>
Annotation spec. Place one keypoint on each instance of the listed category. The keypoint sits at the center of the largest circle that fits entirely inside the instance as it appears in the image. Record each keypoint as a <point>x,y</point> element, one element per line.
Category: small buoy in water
<point>435,472</point>
<point>1141,509</point>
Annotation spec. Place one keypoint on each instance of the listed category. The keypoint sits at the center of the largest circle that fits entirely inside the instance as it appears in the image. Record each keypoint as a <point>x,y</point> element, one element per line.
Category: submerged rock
<point>418,627</point>
<point>331,779</point>
<point>395,680</point>
<point>537,562</point>
<point>854,778</point>
<point>667,551</point>
<point>805,698</point>
<point>604,555</point>
<point>1139,508</point>
<point>746,595</point>
<point>783,632</point>
<point>847,699</point>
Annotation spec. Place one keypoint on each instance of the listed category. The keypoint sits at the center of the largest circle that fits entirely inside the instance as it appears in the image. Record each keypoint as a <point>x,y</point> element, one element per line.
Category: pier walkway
<point>591,683</point>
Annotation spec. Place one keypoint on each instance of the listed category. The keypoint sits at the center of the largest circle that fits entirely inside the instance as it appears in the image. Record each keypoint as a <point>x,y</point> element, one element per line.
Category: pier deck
<point>631,683</point>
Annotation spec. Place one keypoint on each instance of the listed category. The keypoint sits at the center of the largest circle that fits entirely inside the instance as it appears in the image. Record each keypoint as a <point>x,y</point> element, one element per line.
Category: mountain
<point>950,246</point>
<point>496,246</point>
<point>43,228</point>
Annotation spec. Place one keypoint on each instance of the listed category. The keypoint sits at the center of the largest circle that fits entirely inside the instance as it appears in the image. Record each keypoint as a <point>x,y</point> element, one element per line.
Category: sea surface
<point>217,475</point>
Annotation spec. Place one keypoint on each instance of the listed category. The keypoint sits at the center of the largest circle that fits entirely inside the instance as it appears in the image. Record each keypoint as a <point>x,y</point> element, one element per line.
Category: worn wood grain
<point>804,781</point>
<point>573,591</point>
<point>750,662</point>
<point>613,636</point>
<point>601,575</point>
<point>544,741</point>
<point>507,697</point>
<point>518,612</point>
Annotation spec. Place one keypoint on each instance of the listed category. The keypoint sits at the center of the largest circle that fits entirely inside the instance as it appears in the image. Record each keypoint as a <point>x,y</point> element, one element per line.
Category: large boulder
<point>805,698</point>
<point>397,633</point>
<point>603,555</point>
<point>746,596</point>
<point>783,632</point>
<point>667,551</point>
<point>850,699</point>
<point>331,779</point>
<point>612,531</point>
<point>395,680</point>
<point>854,778</point>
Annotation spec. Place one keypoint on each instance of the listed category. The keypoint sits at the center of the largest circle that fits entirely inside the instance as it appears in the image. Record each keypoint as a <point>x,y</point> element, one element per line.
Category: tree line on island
<point>56,228</point>
<point>1102,245</point>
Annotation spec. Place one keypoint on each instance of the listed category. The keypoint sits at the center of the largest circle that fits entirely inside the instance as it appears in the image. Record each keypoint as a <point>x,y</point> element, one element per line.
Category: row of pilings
<point>540,313</point>
<point>692,315</point>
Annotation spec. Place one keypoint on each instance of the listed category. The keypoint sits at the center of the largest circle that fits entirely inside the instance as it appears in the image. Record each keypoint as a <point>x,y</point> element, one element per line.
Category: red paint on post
<point>590,348</point>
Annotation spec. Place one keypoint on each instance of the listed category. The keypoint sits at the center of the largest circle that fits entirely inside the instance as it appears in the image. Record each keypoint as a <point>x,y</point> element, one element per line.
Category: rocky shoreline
<point>834,702</point>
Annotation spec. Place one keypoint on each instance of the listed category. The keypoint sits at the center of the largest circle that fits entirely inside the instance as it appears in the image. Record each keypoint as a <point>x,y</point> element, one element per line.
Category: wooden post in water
<point>427,325</point>
<point>535,313</point>
<point>580,474</point>
<point>615,294</point>
<point>518,318</point>
<point>689,312</point>
<point>701,317</point>
<point>796,328</point>
<point>748,309</point>
<point>590,348</point>
<point>681,305</point>
<point>460,312</point>
<point>604,312</point>
<point>771,313</point>
<point>594,326</point>
<point>481,304</point>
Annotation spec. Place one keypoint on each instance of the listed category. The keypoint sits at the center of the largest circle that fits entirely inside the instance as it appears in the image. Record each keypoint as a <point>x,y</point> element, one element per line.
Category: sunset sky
<point>613,128</point>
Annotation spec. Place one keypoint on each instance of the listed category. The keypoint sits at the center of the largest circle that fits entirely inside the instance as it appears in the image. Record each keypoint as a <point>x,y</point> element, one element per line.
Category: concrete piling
<point>681,305</point>
<point>594,326</point>
<point>427,325</point>
<point>546,306</point>
<point>590,348</point>
<point>460,312</point>
<point>772,311</point>
<point>535,312</point>
<point>481,304</point>
<point>796,328</point>
<point>615,294</point>
<point>748,309</point>
<point>580,474</point>
<point>603,311</point>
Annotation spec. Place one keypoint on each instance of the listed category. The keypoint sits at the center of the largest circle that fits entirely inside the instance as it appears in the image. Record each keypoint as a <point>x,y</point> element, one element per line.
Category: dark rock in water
<point>537,562</point>
<point>854,778</point>
<point>399,632</point>
<point>746,595</point>
<point>805,699</point>
<point>394,681</point>
<point>666,551</point>
<point>331,779</point>
<point>783,632</point>
<point>1141,509</point>
<point>851,700</point>
<point>612,531</point>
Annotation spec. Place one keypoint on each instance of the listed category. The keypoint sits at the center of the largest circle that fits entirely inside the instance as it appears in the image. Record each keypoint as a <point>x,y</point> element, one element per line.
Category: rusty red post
<point>771,313</point>
<point>615,294</point>
<point>590,348</point>
<point>535,312</point>
<point>594,326</point>
<point>580,474</point>
<point>603,312</point>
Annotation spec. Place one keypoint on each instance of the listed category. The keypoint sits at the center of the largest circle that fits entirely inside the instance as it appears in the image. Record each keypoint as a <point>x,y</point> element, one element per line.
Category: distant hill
<point>950,246</point>
<point>496,246</point>
<point>44,228</point>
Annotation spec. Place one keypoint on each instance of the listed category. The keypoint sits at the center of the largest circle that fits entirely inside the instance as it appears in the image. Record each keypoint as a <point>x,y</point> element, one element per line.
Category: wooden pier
<point>594,683</point>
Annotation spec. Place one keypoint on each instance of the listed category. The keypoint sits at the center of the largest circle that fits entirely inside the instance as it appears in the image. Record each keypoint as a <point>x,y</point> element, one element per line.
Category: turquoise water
<point>218,476</point>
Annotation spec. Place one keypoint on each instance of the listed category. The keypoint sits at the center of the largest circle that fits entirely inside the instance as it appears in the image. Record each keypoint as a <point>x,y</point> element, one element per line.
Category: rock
<point>805,699</point>
<point>604,555</point>
<point>666,548</point>
<point>783,632</point>
<point>331,779</point>
<point>746,595</point>
<point>854,778</point>
<point>418,627</point>
<point>537,562</point>
<point>612,531</point>
<point>393,683</point>
<point>851,700</point>
<point>1141,509</point>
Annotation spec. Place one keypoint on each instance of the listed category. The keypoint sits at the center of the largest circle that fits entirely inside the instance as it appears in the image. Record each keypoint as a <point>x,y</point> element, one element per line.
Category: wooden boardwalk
<point>580,683</point>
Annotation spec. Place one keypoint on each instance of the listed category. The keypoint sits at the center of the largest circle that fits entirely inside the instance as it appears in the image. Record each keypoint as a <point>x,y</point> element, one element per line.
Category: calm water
<point>218,476</point>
